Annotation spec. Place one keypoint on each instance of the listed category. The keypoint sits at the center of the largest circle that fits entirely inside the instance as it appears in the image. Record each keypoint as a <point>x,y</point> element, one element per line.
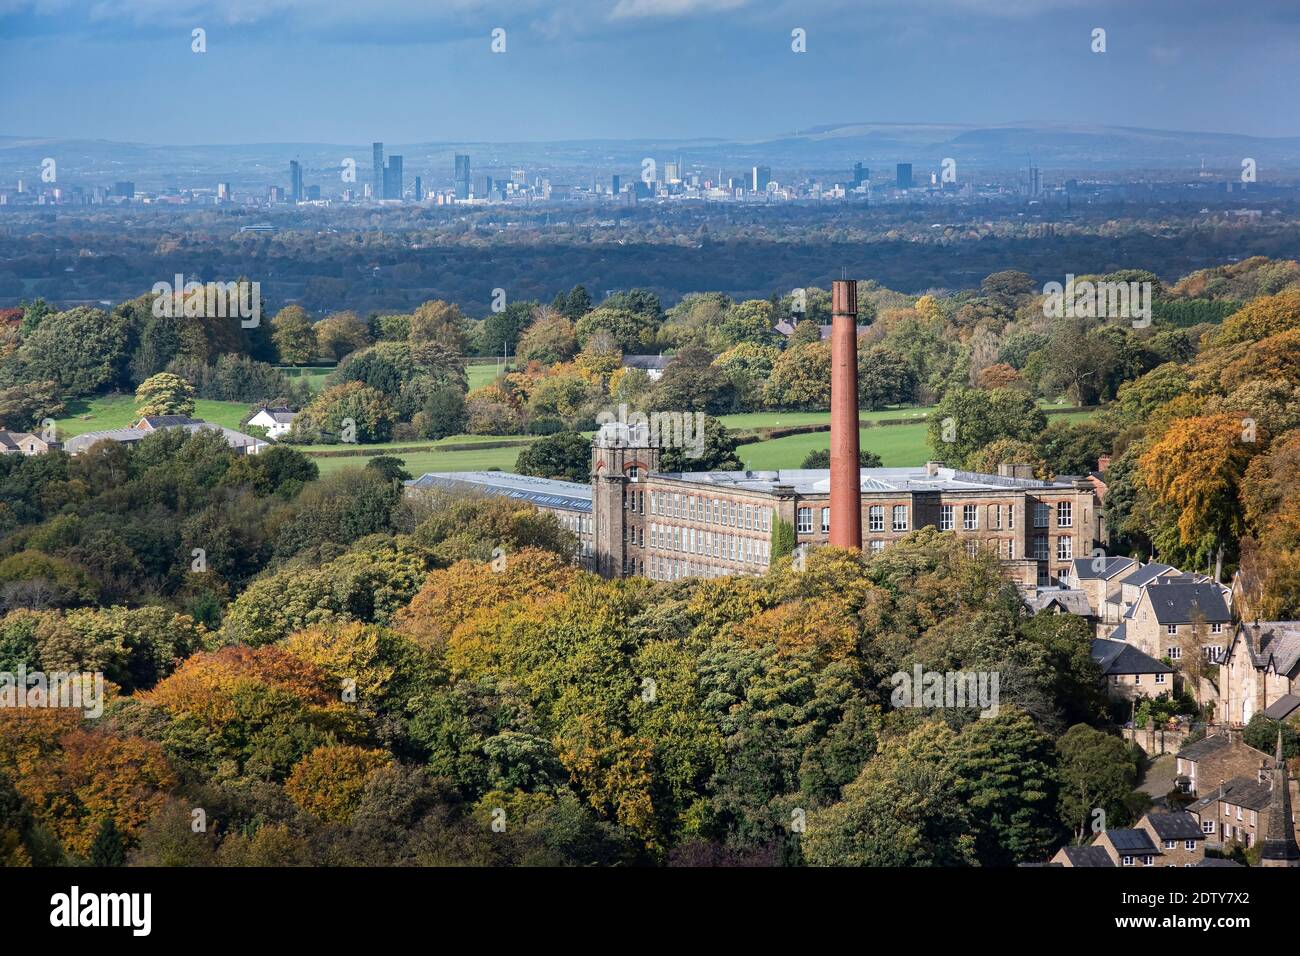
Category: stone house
<point>1208,762</point>
<point>1129,674</point>
<point>1260,670</point>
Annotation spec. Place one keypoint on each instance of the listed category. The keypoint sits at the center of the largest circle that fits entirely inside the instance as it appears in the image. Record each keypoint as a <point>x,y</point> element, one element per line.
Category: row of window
<point>729,547</point>
<point>1064,548</point>
<point>1137,679</point>
<point>670,569</point>
<point>717,511</point>
<point>1064,514</point>
<point>1172,629</point>
<point>970,517</point>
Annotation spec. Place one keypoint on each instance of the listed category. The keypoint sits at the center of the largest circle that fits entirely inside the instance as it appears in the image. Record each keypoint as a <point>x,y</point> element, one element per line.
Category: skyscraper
<point>393,178</point>
<point>615,185</point>
<point>295,181</point>
<point>903,175</point>
<point>761,177</point>
<point>462,176</point>
<point>419,189</point>
<point>378,173</point>
<point>860,174</point>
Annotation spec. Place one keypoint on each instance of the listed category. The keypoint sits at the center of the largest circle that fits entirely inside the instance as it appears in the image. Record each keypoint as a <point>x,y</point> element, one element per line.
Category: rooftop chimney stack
<point>846,481</point>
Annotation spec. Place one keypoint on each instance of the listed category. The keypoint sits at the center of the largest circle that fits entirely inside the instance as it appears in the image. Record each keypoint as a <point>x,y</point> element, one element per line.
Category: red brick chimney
<point>846,483</point>
<point>1103,463</point>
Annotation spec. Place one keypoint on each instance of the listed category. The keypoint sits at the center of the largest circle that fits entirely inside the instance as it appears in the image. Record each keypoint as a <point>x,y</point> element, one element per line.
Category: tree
<point>903,809</point>
<point>501,330</point>
<point>390,467</point>
<point>293,335</point>
<point>1197,468</point>
<point>164,394</point>
<point>716,451</point>
<point>821,458</point>
<point>339,334</point>
<point>329,782</point>
<point>24,407</point>
<point>549,340</point>
<point>1096,772</point>
<point>108,848</point>
<point>968,419</point>
<point>349,412</point>
<point>84,350</point>
<point>564,455</point>
<point>801,378</point>
<point>443,323</point>
<point>884,377</point>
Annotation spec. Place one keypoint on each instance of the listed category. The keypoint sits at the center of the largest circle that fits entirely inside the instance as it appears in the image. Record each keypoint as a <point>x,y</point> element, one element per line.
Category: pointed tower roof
<point>1280,847</point>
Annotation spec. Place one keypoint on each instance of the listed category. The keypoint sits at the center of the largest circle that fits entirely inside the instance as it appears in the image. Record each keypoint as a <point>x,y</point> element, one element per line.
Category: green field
<point>118,411</point>
<point>481,373</point>
<point>897,445</point>
<point>417,463</point>
<point>313,374</point>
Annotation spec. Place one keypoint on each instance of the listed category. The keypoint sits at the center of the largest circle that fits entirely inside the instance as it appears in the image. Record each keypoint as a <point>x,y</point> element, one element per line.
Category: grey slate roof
<point>647,362</point>
<point>1216,861</point>
<point>1282,708</point>
<point>1070,600</point>
<point>1184,603</point>
<point>79,443</point>
<point>1118,657</point>
<point>1176,826</point>
<point>1245,792</point>
<point>1141,575</point>
<point>1278,642</point>
<point>1203,748</point>
<point>1088,856</point>
<point>1107,568</point>
<point>543,492</point>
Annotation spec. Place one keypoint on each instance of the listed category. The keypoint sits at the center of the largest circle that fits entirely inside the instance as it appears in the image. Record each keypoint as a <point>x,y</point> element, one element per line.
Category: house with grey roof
<point>1127,673</point>
<point>276,421</point>
<point>25,443</point>
<point>652,365</point>
<point>1206,763</point>
<point>1175,618</point>
<point>1061,600</point>
<point>1088,856</point>
<point>1260,670</point>
<point>1099,577</point>
<point>241,443</point>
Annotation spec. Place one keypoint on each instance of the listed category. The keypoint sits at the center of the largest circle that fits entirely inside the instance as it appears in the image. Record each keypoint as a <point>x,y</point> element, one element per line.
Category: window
<point>1171,630</point>
<point>1011,517</point>
<point>1064,548</point>
<point>1148,860</point>
<point>945,518</point>
<point>1207,826</point>
<point>749,516</point>
<point>826,520</point>
<point>1064,514</point>
<point>876,518</point>
<point>1189,844</point>
<point>1160,678</point>
<point>969,517</point>
<point>1011,549</point>
<point>1040,547</point>
<point>1214,652</point>
<point>1216,628</point>
<point>1128,861</point>
<point>877,547</point>
<point>900,517</point>
<point>805,521</point>
<point>995,517</point>
<point>1040,515</point>
<point>1171,844</point>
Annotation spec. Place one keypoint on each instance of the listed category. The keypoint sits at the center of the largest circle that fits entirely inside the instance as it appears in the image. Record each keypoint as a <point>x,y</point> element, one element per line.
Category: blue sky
<point>348,71</point>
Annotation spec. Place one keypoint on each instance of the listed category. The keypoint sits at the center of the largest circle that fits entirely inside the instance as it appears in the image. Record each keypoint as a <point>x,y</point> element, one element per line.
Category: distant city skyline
<point>393,70</point>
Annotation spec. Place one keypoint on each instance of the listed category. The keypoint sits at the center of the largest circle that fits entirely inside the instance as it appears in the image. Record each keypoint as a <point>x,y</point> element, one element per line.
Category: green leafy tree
<point>164,394</point>
<point>293,335</point>
<point>564,455</point>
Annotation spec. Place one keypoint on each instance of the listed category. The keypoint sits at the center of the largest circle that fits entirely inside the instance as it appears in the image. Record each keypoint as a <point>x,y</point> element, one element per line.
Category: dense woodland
<point>333,673</point>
